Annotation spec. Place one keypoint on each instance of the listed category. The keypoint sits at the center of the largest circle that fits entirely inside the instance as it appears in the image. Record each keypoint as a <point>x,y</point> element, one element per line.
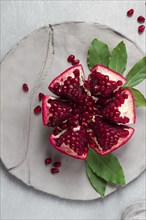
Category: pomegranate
<point>91,113</point>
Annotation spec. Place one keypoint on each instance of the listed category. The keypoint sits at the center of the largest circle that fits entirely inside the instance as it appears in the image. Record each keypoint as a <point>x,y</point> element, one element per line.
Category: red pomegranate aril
<point>125,96</point>
<point>56,131</point>
<point>121,99</point>
<point>86,85</point>
<point>41,96</point>
<point>92,144</point>
<point>70,58</point>
<point>141,29</point>
<point>48,161</point>
<point>37,109</point>
<point>141,19</point>
<point>76,72</point>
<point>91,134</point>
<point>54,170</point>
<point>119,83</point>
<point>75,62</point>
<point>57,164</point>
<point>25,87</point>
<point>130,12</point>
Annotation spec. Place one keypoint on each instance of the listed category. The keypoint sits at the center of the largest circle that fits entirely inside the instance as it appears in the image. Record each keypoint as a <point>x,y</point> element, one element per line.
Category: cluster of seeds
<point>86,108</point>
<point>108,136</point>
<point>70,87</point>
<point>140,19</point>
<point>55,167</point>
<point>75,138</point>
<point>111,111</point>
<point>101,85</point>
<point>58,111</point>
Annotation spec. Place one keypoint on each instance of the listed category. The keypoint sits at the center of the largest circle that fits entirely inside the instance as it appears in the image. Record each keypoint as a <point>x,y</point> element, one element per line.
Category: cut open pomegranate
<point>89,114</point>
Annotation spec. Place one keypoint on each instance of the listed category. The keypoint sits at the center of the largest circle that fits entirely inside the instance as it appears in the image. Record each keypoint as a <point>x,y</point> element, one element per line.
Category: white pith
<point>58,135</point>
<point>127,109</point>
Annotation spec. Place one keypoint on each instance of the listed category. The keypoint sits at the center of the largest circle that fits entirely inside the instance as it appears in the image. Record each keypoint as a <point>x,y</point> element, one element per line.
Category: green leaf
<point>118,59</point>
<point>137,74</point>
<point>97,182</point>
<point>139,99</point>
<point>106,167</point>
<point>98,53</point>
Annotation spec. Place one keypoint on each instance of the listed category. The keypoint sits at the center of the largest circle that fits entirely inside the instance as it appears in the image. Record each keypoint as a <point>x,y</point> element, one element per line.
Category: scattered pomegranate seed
<point>54,170</point>
<point>37,109</point>
<point>41,96</point>
<point>141,29</point>
<point>75,62</point>
<point>141,19</point>
<point>25,87</point>
<point>57,164</point>
<point>130,12</point>
<point>48,161</point>
<point>70,58</point>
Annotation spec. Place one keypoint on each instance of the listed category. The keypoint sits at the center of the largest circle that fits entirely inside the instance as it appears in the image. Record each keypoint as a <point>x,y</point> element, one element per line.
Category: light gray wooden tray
<point>37,59</point>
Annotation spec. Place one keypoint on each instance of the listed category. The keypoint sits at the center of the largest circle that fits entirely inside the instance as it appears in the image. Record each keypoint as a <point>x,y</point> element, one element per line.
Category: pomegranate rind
<point>65,149</point>
<point>111,73</point>
<point>128,108</point>
<point>120,143</point>
<point>65,74</point>
<point>45,109</point>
